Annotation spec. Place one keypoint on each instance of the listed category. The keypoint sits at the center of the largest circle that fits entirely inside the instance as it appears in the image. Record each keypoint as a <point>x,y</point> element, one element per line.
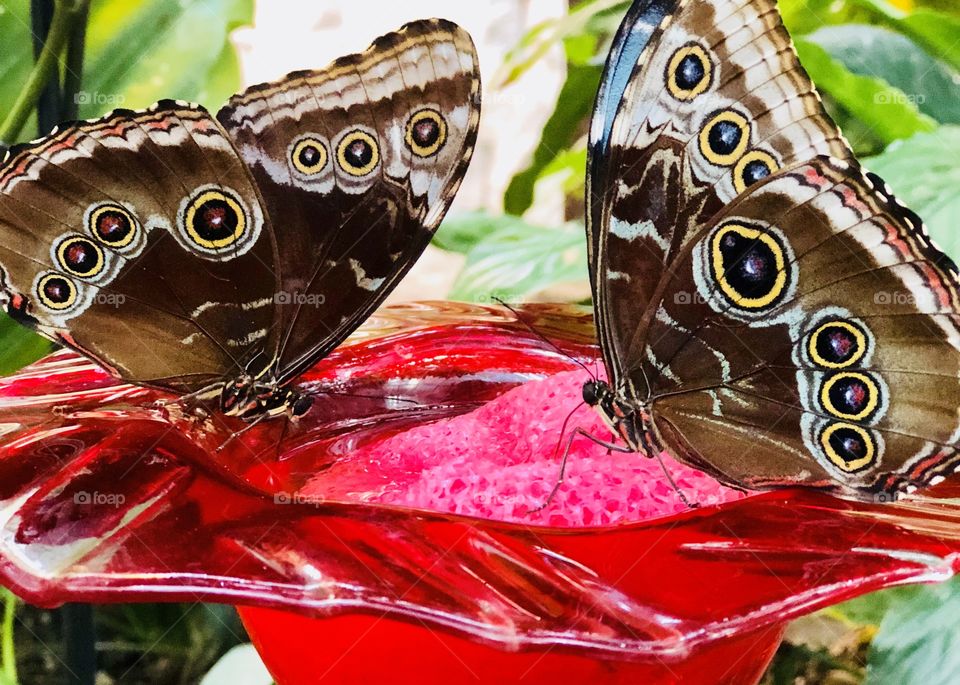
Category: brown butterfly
<point>220,257</point>
<point>768,311</point>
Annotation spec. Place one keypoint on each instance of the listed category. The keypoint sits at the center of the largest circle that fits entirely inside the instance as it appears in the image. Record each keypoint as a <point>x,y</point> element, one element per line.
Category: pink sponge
<point>501,461</point>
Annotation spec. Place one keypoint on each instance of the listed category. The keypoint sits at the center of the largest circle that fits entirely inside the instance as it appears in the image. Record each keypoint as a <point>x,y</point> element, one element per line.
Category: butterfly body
<point>219,257</point>
<point>628,419</point>
<point>767,310</point>
<point>253,397</point>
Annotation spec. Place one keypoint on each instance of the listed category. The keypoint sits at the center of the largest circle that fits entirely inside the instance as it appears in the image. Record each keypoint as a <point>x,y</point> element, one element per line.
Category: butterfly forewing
<point>358,164</point>
<point>716,101</point>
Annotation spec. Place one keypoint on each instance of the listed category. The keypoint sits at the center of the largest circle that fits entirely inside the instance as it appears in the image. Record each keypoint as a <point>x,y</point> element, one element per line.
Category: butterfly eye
<point>309,156</point>
<point>851,396</point>
<point>56,292</point>
<point>725,137</point>
<point>358,153</point>
<point>689,72</point>
<point>214,219</point>
<point>849,447</point>
<point>749,265</point>
<point>837,345</point>
<point>426,133</point>
<point>752,168</point>
<point>112,225</point>
<point>80,257</point>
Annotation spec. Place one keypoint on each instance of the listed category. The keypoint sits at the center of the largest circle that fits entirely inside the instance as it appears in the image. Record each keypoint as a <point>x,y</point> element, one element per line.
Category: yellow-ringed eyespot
<point>749,265</point>
<point>752,168</point>
<point>309,156</point>
<point>426,133</point>
<point>725,138</point>
<point>689,72</point>
<point>80,256</point>
<point>837,345</point>
<point>56,292</point>
<point>112,225</point>
<point>849,447</point>
<point>358,153</point>
<point>851,396</point>
<point>214,219</point>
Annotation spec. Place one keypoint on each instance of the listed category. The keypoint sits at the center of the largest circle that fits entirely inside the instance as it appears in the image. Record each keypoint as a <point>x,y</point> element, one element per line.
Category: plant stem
<point>79,637</point>
<point>74,67</point>
<point>48,104</point>
<point>7,653</point>
<point>43,68</point>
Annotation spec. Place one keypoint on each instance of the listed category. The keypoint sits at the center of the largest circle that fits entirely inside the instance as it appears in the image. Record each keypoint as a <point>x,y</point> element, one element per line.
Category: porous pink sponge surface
<point>501,461</point>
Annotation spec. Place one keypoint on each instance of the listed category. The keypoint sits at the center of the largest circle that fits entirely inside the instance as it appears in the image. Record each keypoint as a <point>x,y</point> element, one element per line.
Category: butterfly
<point>768,312</point>
<point>219,257</point>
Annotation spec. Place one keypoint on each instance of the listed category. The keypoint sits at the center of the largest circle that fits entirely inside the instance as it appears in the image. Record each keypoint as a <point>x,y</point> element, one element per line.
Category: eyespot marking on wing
<point>725,137</point>
<point>309,155</point>
<point>426,132</point>
<point>689,72</point>
<point>358,153</point>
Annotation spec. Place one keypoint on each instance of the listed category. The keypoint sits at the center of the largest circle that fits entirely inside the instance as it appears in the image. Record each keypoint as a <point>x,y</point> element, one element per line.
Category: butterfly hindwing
<point>824,329</point>
<point>136,239</point>
<point>358,164</point>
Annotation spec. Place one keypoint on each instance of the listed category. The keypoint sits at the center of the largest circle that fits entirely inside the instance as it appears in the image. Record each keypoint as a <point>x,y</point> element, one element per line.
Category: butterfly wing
<point>699,100</point>
<point>137,239</point>
<point>358,164</point>
<point>784,318</point>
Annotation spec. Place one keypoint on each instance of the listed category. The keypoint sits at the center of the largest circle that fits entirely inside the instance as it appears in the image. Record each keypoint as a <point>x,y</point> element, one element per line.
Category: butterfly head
<point>595,392</point>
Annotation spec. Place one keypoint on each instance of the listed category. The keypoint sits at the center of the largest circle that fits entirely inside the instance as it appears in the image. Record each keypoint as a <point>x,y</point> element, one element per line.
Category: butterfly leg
<point>673,484</point>
<point>237,434</point>
<point>195,402</point>
<point>611,447</point>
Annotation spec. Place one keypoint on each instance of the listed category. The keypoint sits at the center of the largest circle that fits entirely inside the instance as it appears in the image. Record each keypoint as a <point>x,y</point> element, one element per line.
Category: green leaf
<point>935,30</point>
<point>16,57</point>
<point>938,31</point>
<point>541,38</point>
<point>806,16</point>
<point>896,119</point>
<point>933,24</point>
<point>517,261</point>
<point>140,52</point>
<point>870,609</point>
<point>869,50</point>
<point>918,642</point>
<point>462,232</point>
<point>19,346</point>
<point>924,174</point>
<point>571,165</point>
<point>564,127</point>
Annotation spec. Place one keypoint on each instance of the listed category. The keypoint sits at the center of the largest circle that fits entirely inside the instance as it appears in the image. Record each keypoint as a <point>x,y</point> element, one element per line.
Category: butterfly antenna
<point>544,338</point>
<point>320,391</point>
